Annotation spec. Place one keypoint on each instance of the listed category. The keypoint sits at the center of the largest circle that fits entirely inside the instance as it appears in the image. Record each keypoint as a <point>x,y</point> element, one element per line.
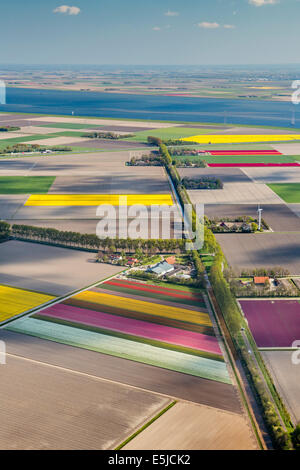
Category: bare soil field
<point>187,426</point>
<point>33,130</point>
<point>27,213</point>
<point>278,216</point>
<point>262,250</point>
<point>259,131</point>
<point>227,175</point>
<point>57,270</point>
<point>69,225</point>
<point>11,135</point>
<point>235,193</point>
<point>44,407</point>
<point>125,128</point>
<point>122,182</point>
<point>9,205</point>
<point>288,149</point>
<point>286,376</point>
<point>76,164</point>
<point>106,122</point>
<point>59,141</point>
<point>107,144</point>
<point>162,381</point>
<point>295,208</point>
<point>273,175</point>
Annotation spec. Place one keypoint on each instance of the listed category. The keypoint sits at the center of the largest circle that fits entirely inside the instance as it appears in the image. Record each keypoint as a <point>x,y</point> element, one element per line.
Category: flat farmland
<point>98,199</point>
<point>103,122</point>
<point>107,144</point>
<point>227,175</point>
<point>106,164</point>
<point>136,374</point>
<point>235,193</point>
<point>241,138</point>
<point>273,323</point>
<point>288,149</point>
<point>190,427</point>
<point>124,182</point>
<point>17,301</point>
<point>289,192</point>
<point>167,133</point>
<point>48,269</point>
<point>63,140</point>
<point>25,184</point>
<point>95,418</point>
<point>273,175</point>
<point>286,376</point>
<point>252,251</point>
<point>160,333</point>
<point>278,216</point>
<point>9,205</point>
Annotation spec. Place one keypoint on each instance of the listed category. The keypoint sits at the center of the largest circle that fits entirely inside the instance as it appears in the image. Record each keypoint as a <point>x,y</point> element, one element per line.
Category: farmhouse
<point>261,281</point>
<point>160,269</point>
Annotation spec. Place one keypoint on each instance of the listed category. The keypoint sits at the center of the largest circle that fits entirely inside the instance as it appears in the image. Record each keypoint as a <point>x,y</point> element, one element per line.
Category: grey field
<point>44,407</point>
<point>286,376</point>
<point>265,250</point>
<point>56,271</point>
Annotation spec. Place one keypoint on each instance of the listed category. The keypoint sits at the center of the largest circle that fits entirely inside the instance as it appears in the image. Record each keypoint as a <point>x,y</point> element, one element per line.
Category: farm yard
<point>273,323</point>
<point>279,217</point>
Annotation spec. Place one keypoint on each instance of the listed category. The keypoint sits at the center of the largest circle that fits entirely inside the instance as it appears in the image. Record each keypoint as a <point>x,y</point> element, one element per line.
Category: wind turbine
<point>259,211</point>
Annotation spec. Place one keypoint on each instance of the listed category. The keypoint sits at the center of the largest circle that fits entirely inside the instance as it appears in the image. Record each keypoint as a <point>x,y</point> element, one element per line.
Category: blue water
<point>151,107</point>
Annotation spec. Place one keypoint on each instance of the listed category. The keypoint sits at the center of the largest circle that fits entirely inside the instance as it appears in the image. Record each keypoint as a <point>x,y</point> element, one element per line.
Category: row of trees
<point>106,135</point>
<point>90,241</point>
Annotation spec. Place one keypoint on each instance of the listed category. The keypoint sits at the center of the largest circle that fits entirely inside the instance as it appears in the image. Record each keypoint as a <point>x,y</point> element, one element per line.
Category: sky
<point>162,32</point>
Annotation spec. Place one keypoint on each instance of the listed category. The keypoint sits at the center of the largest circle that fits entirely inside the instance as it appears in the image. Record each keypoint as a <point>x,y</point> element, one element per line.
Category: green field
<point>289,192</point>
<point>168,133</point>
<point>243,158</point>
<point>69,125</point>
<point>25,184</point>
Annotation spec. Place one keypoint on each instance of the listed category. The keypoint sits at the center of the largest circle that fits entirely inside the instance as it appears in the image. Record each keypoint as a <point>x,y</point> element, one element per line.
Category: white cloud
<point>67,10</point>
<point>207,25</point>
<point>260,3</point>
<point>171,13</point>
<point>229,26</point>
<point>156,28</point>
